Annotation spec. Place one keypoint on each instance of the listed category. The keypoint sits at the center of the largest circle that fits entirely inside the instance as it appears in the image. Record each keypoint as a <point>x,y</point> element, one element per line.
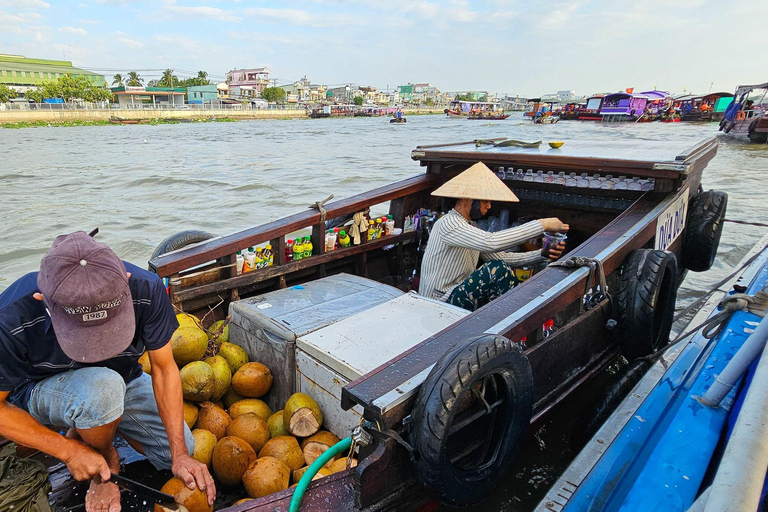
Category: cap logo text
<point>79,310</point>
<point>98,315</point>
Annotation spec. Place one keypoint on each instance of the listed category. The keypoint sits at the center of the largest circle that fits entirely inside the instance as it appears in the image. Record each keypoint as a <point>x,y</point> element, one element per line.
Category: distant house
<point>22,74</point>
<point>200,94</point>
<point>247,83</point>
<point>133,96</point>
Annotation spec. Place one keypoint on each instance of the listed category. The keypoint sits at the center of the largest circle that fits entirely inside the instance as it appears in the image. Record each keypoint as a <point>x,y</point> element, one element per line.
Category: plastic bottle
<point>269,254</point>
<point>307,247</point>
<point>330,240</point>
<point>621,184</point>
<point>344,239</point>
<point>582,181</point>
<point>501,173</point>
<point>571,180</point>
<point>649,184</point>
<point>240,261</point>
<point>379,228</point>
<point>594,181</point>
<point>539,177</point>
<point>289,250</point>
<point>634,184</point>
<point>560,179</point>
<point>608,183</point>
<point>250,260</point>
<point>259,258</point>
<point>298,249</point>
<point>390,224</point>
<point>528,175</point>
<point>550,177</point>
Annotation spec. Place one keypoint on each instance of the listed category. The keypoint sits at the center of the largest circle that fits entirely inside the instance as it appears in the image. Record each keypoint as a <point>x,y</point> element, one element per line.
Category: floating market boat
<point>473,109</point>
<point>746,115</point>
<point>445,396</point>
<point>665,445</point>
<point>709,107</point>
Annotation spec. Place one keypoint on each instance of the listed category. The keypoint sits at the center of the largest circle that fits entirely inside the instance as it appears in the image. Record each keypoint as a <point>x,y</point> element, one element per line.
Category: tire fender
<point>490,366</point>
<point>645,301</point>
<point>706,213</point>
<point>179,240</point>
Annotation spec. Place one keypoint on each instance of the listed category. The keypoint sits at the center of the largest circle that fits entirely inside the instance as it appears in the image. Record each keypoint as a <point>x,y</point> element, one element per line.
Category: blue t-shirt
<point>30,352</point>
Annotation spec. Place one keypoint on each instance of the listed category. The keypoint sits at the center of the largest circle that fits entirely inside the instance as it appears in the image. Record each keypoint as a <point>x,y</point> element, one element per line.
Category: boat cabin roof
<point>746,88</point>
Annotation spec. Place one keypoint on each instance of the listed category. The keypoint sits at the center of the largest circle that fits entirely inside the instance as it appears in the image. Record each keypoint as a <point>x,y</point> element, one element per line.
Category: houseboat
<point>464,109</point>
<point>591,111</point>
<point>345,326</point>
<point>571,110</point>
<point>746,117</point>
<point>625,106</point>
<point>541,111</point>
<point>709,107</point>
<point>333,111</point>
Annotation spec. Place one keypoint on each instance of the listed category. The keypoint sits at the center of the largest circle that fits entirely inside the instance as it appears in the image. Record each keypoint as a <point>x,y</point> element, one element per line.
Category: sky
<point>514,47</point>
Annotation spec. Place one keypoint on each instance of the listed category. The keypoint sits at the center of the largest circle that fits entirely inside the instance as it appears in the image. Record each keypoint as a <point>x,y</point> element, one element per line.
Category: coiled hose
<point>301,487</point>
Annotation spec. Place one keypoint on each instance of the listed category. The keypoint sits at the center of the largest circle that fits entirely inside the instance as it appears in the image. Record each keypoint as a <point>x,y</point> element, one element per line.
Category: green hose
<point>298,492</point>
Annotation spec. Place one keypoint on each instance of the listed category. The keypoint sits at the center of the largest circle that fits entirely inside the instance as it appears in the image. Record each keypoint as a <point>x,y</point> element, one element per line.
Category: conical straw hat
<point>477,182</point>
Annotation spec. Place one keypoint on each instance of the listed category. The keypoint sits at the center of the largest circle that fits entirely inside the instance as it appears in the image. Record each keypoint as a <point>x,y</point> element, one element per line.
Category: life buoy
<point>706,212</point>
<point>646,301</point>
<point>458,459</point>
<point>181,239</point>
<point>741,115</point>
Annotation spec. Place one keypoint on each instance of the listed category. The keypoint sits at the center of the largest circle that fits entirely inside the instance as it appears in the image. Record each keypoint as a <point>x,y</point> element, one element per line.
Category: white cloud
<point>89,22</point>
<point>203,12</point>
<point>25,3</point>
<point>132,43</point>
<point>74,30</point>
<point>304,18</point>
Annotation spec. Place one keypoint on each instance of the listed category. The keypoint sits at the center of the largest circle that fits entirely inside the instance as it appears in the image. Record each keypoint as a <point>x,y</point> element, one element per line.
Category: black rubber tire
<point>446,393</point>
<point>646,302</point>
<point>758,137</point>
<point>181,239</point>
<point>706,214</point>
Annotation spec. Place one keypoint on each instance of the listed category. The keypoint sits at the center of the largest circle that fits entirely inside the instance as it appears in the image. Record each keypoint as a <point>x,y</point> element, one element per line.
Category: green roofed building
<point>23,74</point>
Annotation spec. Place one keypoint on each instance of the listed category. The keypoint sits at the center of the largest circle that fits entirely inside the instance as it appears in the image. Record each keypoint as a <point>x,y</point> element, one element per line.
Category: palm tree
<point>134,79</point>
<point>168,79</point>
<point>117,80</point>
<point>202,78</point>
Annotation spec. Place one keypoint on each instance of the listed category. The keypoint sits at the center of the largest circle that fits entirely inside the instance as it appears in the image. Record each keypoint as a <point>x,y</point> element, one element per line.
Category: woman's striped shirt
<point>455,246</point>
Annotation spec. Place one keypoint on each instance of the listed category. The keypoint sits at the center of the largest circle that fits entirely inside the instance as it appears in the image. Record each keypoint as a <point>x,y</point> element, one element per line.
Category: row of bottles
<point>255,258</point>
<point>565,197</point>
<point>336,238</point>
<point>607,182</point>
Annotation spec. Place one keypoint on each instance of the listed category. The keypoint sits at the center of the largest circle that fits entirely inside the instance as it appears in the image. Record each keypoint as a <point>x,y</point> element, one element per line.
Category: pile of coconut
<point>236,434</point>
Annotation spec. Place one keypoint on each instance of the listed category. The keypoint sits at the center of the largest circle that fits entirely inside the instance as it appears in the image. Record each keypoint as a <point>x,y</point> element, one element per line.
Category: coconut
<point>197,381</point>
<point>235,355</point>
<point>187,320</point>
<point>296,477</point>
<point>230,397</point>
<point>314,446</point>
<point>276,425</point>
<point>205,442</point>
<point>145,364</point>
<point>231,457</point>
<point>252,380</point>
<point>222,376</point>
<point>190,413</point>
<point>250,405</point>
<point>223,335</point>
<point>301,415</point>
<point>188,344</point>
<point>285,449</point>
<point>341,465</point>
<point>193,500</point>
<point>213,419</point>
<point>244,500</point>
<point>266,475</point>
<point>251,428</point>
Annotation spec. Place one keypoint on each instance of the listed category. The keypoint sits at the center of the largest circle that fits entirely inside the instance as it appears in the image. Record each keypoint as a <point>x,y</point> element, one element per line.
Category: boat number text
<point>671,222</point>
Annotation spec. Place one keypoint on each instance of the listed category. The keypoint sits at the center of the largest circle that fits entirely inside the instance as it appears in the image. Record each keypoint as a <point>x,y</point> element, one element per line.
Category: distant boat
<point>644,106</point>
<point>397,120</point>
<point>746,115</point>
<point>697,107</point>
<point>474,109</point>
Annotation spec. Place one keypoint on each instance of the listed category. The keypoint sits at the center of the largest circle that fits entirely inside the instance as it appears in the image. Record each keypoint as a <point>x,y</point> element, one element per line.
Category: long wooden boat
<point>489,116</point>
<point>746,116</point>
<point>401,346</point>
<point>709,107</point>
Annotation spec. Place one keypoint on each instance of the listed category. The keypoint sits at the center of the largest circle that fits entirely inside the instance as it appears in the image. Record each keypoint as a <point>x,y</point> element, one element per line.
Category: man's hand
<point>554,253</point>
<point>554,225</point>
<point>194,474</point>
<point>85,463</point>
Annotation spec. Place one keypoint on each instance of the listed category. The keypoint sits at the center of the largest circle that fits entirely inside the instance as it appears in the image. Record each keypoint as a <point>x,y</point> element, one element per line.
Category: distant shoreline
<point>99,117</point>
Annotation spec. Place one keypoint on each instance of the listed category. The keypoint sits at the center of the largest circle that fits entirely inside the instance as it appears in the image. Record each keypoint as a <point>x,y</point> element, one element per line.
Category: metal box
<point>329,358</point>
<point>267,325</point>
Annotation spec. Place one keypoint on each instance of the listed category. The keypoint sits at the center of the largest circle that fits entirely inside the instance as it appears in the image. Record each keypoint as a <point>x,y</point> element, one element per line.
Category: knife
<point>166,500</point>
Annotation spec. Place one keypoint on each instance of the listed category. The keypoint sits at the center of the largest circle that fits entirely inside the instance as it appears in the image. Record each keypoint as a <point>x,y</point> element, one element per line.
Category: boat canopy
<point>748,88</point>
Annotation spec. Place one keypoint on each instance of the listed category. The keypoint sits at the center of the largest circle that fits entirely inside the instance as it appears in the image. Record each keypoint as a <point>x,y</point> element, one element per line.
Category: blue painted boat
<point>655,451</point>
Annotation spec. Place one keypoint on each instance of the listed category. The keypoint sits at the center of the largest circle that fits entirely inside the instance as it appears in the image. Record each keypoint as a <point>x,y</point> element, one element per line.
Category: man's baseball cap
<point>85,288</point>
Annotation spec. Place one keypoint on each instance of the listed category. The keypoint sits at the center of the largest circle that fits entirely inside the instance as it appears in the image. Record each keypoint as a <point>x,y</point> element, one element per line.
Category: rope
<point>595,266</point>
<point>319,206</point>
<point>759,224</point>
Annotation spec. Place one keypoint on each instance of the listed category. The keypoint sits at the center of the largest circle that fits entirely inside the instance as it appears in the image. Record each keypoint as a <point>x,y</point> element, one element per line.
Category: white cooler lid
<point>362,342</point>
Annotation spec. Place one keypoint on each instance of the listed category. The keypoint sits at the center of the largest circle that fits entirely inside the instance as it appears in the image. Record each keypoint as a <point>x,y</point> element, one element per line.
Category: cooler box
<point>267,325</point>
<point>329,358</point>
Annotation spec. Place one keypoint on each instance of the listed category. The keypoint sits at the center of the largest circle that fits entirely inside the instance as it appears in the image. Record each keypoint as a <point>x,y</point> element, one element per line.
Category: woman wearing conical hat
<point>449,270</point>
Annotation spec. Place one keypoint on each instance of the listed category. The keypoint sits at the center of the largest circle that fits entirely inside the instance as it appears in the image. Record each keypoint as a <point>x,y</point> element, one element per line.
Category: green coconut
<point>197,381</point>
<point>252,380</point>
<point>216,327</point>
<point>188,344</point>
<point>230,397</point>
<point>276,425</point>
<point>235,355</point>
<point>301,415</point>
<point>205,442</point>
<point>222,376</point>
<point>250,405</point>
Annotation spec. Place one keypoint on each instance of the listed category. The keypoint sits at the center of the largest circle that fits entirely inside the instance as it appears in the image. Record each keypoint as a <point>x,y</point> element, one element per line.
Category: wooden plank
<point>215,248</point>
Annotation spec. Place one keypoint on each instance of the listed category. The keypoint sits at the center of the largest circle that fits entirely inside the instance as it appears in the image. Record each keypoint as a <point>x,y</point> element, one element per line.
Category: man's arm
<point>166,384</point>
<point>19,426</point>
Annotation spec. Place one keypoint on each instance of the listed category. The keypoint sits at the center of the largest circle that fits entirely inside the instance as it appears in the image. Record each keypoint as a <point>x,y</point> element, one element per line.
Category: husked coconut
<point>276,425</point>
<point>341,465</point>
<point>235,355</point>
<point>314,446</point>
<point>247,405</point>
<point>231,397</point>
<point>205,442</point>
<point>188,344</point>
<point>146,366</point>
<point>231,457</point>
<point>266,475</point>
<point>213,419</point>
<point>190,413</point>
<point>296,477</point>
<point>285,449</point>
<point>197,381</point>
<point>301,415</point>
<point>252,380</point>
<point>222,376</point>
<point>194,500</point>
<point>250,428</point>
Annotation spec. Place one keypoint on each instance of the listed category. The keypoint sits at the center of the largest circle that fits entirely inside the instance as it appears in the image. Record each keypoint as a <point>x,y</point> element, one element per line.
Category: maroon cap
<point>85,288</point>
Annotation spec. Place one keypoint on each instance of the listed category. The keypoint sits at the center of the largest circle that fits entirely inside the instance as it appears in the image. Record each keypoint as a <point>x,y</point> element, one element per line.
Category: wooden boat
<point>397,120</point>
<point>591,111</point>
<point>465,109</point>
<point>625,106</point>
<point>488,116</point>
<point>388,375</point>
<point>122,120</point>
<point>746,116</point>
<point>709,107</point>
<point>660,448</point>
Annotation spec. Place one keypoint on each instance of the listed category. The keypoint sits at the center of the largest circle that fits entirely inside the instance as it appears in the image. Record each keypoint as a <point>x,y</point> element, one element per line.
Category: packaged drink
<point>380,228</point>
<point>570,181</point>
<point>621,184</point>
<point>307,247</point>
<point>560,180</point>
<point>501,173</point>
<point>336,234</point>
<point>250,260</point>
<point>269,255</point>
<point>608,183</point>
<point>298,249</point>
<point>389,225</point>
<point>582,181</point>
<point>550,177</point>
<point>539,178</point>
<point>330,240</point>
<point>344,240</point>
<point>240,261</point>
<point>260,263</point>
<point>595,181</point>
<point>289,250</point>
<point>372,230</point>
<point>634,184</point>
<point>647,184</point>
<point>523,273</point>
<point>528,175</point>
<point>548,328</point>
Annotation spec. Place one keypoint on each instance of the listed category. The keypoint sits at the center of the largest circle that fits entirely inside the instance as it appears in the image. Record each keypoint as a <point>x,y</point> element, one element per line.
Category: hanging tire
<point>181,239</point>
<point>703,230</point>
<point>646,302</point>
<point>470,419</point>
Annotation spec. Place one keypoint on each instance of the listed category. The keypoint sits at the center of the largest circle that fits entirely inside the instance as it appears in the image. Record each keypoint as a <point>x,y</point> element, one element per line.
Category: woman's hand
<point>553,224</point>
<point>554,253</point>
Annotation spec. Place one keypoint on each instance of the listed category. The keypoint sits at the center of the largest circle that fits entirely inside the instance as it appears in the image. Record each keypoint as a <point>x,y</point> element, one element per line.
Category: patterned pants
<point>490,281</point>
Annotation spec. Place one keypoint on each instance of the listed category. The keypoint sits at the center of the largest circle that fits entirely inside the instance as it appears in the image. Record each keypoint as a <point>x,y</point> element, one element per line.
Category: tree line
<point>168,79</point>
